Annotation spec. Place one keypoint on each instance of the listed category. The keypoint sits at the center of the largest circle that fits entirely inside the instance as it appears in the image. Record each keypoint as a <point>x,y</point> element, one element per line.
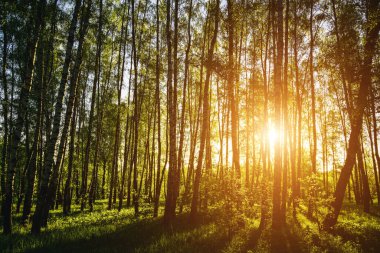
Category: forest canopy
<point>255,116</point>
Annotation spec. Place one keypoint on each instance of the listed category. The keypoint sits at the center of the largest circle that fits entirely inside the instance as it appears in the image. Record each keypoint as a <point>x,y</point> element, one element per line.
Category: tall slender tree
<point>231,89</point>
<point>37,21</point>
<point>205,114</point>
<point>361,103</point>
<point>48,185</point>
<point>278,34</point>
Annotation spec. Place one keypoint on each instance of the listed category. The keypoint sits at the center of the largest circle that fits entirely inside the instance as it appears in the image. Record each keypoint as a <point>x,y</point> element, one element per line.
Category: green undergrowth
<point>214,231</point>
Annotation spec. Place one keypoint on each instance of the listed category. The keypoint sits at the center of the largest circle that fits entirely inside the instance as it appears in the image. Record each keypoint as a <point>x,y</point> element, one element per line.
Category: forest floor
<point>113,231</point>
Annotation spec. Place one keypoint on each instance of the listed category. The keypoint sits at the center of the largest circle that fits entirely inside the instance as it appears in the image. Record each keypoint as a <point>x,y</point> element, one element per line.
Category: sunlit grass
<point>113,231</point>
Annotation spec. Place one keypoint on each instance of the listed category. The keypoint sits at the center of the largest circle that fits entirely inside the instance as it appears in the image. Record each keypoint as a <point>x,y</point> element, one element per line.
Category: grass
<point>113,231</point>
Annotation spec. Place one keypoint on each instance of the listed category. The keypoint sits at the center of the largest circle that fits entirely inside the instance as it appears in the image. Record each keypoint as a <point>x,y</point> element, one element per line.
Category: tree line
<point>267,105</point>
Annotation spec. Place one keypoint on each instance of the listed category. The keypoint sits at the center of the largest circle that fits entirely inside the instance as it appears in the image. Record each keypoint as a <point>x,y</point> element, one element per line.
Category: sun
<point>272,135</point>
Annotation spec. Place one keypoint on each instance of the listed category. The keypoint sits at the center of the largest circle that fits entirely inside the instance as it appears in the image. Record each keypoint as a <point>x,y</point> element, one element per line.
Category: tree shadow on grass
<point>253,238</point>
<point>358,227</point>
<point>286,240</point>
<point>367,237</point>
<point>145,235</point>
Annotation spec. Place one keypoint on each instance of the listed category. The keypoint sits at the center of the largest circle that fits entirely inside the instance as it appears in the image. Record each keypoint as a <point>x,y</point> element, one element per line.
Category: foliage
<point>316,199</point>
